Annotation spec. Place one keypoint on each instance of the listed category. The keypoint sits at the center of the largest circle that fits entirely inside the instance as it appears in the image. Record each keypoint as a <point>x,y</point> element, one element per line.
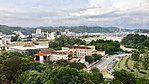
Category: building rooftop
<point>79,47</point>
<point>28,44</point>
<point>60,53</point>
<point>47,52</point>
<point>28,47</point>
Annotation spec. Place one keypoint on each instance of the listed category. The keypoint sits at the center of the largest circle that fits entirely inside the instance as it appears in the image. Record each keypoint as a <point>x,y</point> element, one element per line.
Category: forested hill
<point>92,29</point>
<point>143,30</point>
<point>8,29</point>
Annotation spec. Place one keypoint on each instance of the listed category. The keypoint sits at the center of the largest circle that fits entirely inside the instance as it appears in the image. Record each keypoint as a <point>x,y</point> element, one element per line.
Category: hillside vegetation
<point>93,29</point>
<point>136,41</point>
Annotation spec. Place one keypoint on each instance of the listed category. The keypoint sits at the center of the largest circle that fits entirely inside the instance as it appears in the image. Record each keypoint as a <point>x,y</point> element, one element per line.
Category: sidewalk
<point>92,64</point>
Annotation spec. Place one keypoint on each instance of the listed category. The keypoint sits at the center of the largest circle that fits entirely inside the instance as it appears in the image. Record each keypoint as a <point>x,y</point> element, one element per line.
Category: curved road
<point>107,61</point>
<point>107,65</point>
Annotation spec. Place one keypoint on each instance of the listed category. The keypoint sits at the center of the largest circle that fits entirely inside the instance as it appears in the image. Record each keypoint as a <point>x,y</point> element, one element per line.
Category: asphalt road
<point>106,61</point>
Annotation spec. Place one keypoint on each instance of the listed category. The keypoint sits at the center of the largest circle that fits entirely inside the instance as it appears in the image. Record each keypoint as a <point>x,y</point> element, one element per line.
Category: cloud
<point>121,13</point>
<point>104,6</point>
<point>124,13</point>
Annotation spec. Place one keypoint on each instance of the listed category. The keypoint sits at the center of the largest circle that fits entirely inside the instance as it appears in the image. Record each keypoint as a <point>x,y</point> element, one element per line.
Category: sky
<point>129,14</point>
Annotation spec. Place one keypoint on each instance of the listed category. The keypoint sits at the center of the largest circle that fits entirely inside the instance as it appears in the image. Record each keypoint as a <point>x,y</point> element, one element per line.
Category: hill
<point>143,31</point>
<point>8,29</point>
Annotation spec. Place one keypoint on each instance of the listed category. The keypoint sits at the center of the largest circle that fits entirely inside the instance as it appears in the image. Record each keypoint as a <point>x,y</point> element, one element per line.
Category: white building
<point>5,40</point>
<point>38,32</point>
<point>50,55</point>
<point>50,36</point>
<point>27,46</point>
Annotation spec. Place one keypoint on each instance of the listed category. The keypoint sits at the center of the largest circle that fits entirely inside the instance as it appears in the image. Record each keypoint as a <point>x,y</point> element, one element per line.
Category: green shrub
<point>89,59</point>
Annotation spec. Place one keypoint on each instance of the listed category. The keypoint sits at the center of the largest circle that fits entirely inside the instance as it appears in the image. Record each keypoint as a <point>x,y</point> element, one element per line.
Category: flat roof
<point>80,47</point>
<point>28,48</point>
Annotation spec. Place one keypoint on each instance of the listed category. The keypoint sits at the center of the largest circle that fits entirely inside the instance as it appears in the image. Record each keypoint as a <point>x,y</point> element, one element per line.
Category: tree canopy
<point>21,69</point>
<point>135,41</point>
<point>107,45</point>
<point>63,41</point>
<point>124,76</point>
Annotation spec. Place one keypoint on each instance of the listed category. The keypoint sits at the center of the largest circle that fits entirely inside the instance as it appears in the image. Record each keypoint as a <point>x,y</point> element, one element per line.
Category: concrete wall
<point>55,57</point>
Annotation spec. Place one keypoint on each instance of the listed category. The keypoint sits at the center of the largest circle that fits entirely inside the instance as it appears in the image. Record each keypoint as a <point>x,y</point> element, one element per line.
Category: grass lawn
<point>121,65</point>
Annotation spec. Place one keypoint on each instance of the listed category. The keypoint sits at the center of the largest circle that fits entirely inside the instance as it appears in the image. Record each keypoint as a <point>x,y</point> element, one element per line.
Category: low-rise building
<point>75,59</point>
<point>5,40</point>
<point>27,46</point>
<point>99,52</point>
<point>38,31</point>
<point>50,36</point>
<point>50,55</point>
<point>82,51</point>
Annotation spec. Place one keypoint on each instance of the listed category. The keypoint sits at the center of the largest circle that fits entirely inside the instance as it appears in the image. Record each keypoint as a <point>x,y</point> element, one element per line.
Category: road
<point>106,61</point>
<point>105,65</point>
<point>126,49</point>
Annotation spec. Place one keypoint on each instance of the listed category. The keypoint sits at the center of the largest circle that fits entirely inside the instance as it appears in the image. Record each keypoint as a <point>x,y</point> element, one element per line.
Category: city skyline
<point>33,13</point>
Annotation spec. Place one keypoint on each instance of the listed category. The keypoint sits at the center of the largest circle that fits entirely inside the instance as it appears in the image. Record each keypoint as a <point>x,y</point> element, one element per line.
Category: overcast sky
<point>33,13</point>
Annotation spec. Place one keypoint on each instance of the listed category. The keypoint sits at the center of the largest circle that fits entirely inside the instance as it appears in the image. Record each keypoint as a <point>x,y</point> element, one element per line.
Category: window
<point>44,57</point>
<point>37,58</point>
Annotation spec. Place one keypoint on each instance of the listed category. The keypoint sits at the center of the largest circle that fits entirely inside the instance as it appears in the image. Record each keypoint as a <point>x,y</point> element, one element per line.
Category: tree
<point>146,42</point>
<point>96,76</point>
<point>124,76</point>
<point>75,65</point>
<point>96,57</point>
<point>94,69</point>
<point>145,60</point>
<point>9,69</point>
<point>7,55</point>
<point>54,45</point>
<point>60,75</point>
<point>89,59</point>
<point>31,52</point>
<point>142,81</point>
<point>13,63</point>
<point>114,81</point>
<point>64,76</point>
<point>64,40</point>
<point>135,55</point>
<point>29,77</point>
<point>27,62</point>
<point>85,78</point>
<point>92,58</point>
<point>14,38</point>
<point>39,67</point>
<point>136,66</point>
<point>135,41</point>
<point>107,45</point>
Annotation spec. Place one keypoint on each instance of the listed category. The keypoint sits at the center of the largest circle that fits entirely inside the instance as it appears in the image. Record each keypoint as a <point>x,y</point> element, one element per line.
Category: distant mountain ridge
<point>143,30</point>
<point>91,29</point>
